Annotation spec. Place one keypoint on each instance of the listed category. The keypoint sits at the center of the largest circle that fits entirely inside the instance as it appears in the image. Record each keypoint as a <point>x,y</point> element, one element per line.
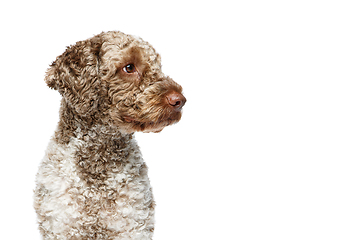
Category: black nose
<point>176,100</point>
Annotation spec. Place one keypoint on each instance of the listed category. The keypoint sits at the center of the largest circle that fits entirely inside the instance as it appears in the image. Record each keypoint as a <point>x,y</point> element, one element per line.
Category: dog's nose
<point>176,100</point>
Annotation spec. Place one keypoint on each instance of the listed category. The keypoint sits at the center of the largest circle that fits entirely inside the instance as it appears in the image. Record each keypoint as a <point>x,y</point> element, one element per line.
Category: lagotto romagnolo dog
<point>93,182</point>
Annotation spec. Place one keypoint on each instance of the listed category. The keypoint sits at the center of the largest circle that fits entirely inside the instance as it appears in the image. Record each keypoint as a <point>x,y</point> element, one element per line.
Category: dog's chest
<point>112,194</point>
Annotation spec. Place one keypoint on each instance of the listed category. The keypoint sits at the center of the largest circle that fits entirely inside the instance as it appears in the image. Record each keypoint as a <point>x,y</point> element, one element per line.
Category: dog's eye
<point>130,68</point>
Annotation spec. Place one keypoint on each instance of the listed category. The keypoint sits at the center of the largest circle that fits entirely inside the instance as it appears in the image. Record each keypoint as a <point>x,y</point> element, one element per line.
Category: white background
<point>268,147</point>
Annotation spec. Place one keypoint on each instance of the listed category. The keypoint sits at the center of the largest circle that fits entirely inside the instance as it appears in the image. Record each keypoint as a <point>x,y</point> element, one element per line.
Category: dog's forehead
<point>125,42</point>
<point>147,52</point>
<point>143,49</point>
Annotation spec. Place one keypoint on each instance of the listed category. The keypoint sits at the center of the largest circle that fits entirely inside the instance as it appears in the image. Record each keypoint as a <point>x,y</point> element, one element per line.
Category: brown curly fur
<point>93,172</point>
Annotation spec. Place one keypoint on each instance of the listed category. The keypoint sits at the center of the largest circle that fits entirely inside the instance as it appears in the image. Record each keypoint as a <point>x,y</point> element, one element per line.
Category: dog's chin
<point>147,123</point>
<point>134,125</point>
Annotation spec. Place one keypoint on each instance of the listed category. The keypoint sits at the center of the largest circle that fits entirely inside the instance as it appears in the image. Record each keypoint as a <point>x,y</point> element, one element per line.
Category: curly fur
<point>92,182</point>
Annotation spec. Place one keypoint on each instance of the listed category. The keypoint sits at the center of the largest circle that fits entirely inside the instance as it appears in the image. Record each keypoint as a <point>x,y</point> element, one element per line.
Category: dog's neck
<point>73,125</point>
<point>102,149</point>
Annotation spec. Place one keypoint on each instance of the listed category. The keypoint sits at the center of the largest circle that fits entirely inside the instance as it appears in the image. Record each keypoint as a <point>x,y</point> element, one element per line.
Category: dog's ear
<point>75,75</point>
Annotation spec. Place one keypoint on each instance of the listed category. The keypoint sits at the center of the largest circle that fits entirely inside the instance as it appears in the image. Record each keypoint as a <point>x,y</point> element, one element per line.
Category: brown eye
<point>130,68</point>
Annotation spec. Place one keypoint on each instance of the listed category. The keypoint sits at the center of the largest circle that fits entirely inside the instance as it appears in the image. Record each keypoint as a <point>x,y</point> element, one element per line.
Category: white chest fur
<point>68,207</point>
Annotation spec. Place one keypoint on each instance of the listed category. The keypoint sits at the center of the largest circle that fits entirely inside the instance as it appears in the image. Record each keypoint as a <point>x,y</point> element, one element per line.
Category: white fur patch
<point>61,194</point>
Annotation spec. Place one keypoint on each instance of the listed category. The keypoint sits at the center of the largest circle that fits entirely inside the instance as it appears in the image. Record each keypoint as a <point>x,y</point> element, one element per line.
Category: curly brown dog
<point>92,182</point>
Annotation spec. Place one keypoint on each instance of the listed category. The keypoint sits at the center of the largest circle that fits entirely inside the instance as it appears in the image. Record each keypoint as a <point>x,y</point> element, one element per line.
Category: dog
<point>93,182</point>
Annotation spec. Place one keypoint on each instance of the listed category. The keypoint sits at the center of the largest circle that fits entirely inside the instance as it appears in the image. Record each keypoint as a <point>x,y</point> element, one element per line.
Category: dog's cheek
<point>151,99</point>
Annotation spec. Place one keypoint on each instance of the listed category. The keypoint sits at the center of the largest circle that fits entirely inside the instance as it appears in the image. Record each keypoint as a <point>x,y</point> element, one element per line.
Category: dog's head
<point>117,79</point>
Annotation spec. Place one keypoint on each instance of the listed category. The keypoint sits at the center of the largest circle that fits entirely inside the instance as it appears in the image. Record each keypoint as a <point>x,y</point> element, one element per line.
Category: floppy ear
<point>75,75</point>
